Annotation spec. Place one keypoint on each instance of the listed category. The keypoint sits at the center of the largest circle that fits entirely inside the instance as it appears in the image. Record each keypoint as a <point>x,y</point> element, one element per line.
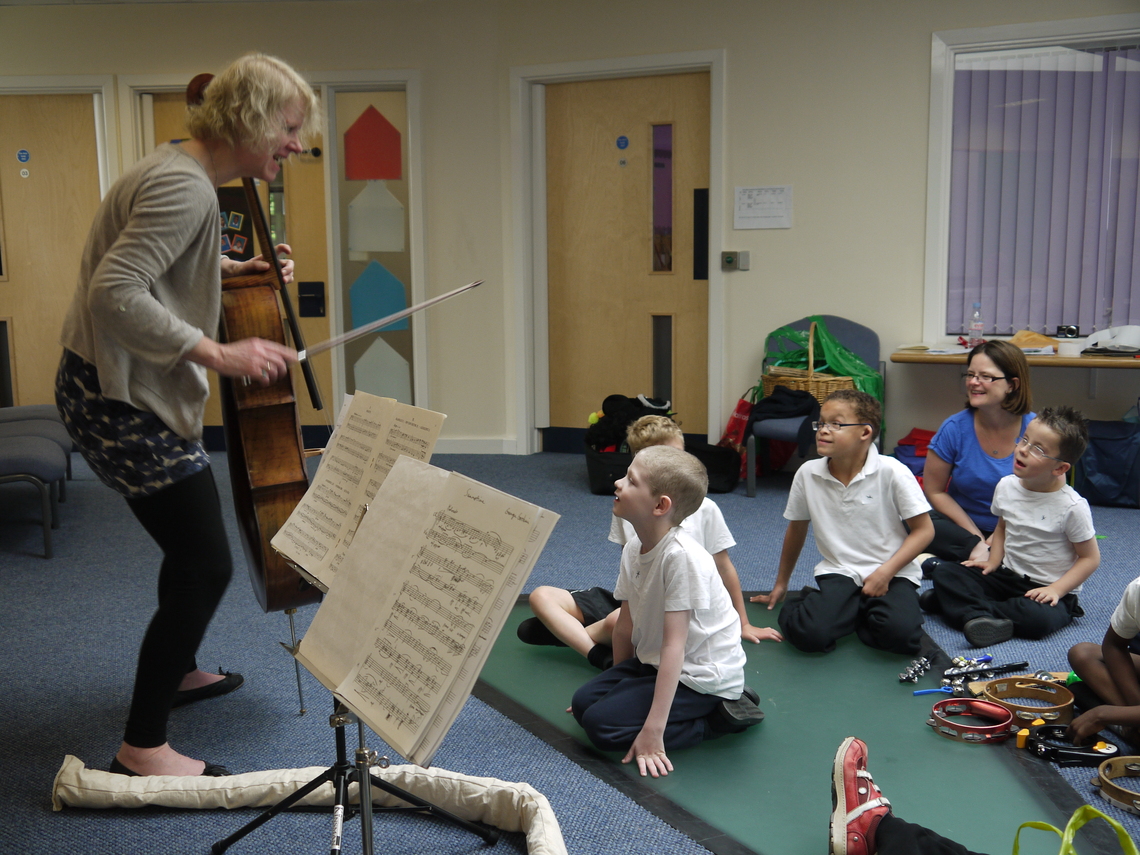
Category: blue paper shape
<point>375,294</point>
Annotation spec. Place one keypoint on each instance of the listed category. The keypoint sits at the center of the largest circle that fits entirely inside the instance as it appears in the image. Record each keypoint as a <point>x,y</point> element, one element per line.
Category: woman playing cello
<point>132,382</point>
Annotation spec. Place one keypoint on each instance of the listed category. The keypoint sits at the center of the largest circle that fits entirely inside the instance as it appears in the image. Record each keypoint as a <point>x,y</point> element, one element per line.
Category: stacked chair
<point>35,447</point>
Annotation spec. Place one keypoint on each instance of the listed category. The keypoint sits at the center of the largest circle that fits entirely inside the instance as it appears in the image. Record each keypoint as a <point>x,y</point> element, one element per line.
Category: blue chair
<point>860,340</point>
<point>39,420</point>
<point>41,462</point>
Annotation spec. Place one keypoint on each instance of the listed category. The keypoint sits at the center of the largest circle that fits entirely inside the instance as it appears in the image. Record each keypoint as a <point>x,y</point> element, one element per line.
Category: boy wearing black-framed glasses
<point>871,521</point>
<point>1043,549</point>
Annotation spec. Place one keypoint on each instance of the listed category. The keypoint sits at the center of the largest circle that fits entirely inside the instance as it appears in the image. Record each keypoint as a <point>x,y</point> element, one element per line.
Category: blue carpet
<point>71,628</point>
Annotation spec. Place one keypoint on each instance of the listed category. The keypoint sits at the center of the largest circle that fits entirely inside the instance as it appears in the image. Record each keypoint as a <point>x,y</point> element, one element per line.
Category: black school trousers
<point>815,619</point>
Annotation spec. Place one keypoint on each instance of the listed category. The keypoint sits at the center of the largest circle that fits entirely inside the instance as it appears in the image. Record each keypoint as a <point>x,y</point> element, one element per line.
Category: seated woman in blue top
<point>973,450</point>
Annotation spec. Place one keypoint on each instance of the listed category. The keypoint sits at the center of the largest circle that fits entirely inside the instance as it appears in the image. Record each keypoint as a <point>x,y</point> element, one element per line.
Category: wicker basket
<point>817,383</point>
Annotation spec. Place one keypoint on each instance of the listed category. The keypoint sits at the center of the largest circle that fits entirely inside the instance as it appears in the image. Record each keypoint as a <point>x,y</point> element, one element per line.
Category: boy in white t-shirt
<point>1109,691</point>
<point>679,676</point>
<point>857,502</point>
<point>1043,549</point>
<point>584,619</point>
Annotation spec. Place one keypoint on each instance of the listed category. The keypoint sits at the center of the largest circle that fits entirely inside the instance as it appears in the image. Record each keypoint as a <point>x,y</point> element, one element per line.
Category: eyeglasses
<point>1037,451</point>
<point>835,426</point>
<point>984,379</point>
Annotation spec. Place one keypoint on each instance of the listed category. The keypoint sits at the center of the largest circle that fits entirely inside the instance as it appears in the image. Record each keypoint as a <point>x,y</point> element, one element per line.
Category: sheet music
<point>477,655</point>
<point>443,595</point>
<point>434,578</point>
<point>373,433</point>
<point>349,609</point>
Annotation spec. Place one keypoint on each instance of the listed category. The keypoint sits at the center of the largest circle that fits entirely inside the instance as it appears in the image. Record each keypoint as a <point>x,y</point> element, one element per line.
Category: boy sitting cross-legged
<point>1043,548</point>
<point>585,619</point>
<point>1109,689</point>
<point>679,675</point>
<point>858,503</point>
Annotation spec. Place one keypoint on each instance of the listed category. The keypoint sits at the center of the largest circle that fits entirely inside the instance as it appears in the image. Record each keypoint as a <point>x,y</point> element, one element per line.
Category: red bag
<point>734,432</point>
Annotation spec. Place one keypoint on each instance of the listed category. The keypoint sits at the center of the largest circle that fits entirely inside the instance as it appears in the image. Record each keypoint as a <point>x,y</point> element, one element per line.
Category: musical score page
<point>372,434</point>
<point>349,609</point>
<point>444,602</point>
<point>477,654</point>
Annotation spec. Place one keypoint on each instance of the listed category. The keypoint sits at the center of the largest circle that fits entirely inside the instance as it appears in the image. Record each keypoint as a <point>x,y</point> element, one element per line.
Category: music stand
<point>340,775</point>
<point>409,618</point>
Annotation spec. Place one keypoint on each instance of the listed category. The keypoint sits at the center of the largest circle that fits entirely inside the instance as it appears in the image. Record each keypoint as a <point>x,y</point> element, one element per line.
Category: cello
<point>262,424</point>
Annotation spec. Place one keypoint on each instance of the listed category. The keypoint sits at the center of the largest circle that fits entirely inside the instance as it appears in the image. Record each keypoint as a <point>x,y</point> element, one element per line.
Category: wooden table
<point>922,357</point>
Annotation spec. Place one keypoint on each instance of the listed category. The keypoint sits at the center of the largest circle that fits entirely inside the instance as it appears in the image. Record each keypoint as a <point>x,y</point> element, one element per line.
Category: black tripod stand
<point>340,775</point>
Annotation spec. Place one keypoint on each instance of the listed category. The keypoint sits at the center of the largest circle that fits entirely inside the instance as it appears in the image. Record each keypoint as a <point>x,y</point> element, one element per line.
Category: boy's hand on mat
<point>773,597</point>
<point>756,634</point>
<point>649,751</point>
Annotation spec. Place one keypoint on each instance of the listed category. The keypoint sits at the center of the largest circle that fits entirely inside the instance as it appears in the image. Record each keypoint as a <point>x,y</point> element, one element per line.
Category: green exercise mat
<point>769,787</point>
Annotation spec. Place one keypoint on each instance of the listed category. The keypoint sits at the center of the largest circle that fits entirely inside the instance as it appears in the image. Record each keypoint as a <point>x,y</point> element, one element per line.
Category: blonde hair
<point>677,474</point>
<point>652,430</point>
<point>243,104</point>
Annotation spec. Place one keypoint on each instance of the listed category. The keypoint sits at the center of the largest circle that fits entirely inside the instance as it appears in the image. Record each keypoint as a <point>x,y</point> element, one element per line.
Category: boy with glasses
<point>1043,549</point>
<point>871,522</point>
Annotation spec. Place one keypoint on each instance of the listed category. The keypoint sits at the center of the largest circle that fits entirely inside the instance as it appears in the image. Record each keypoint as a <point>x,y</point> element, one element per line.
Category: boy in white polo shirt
<point>679,676</point>
<point>871,521</point>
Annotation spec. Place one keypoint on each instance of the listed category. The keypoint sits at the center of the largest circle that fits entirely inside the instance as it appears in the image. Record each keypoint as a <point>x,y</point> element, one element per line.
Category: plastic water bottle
<point>977,328</point>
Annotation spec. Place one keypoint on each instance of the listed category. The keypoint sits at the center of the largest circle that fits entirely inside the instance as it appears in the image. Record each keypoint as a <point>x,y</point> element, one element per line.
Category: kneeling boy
<point>858,503</point>
<point>680,671</point>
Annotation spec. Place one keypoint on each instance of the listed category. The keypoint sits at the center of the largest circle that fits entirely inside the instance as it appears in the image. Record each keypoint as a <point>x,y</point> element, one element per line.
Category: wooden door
<point>607,302</point>
<point>304,200</point>
<point>45,216</point>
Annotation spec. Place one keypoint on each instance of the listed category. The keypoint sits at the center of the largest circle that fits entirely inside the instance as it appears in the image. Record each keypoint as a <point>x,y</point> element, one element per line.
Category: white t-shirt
<point>859,526</point>
<point>706,526</point>
<point>1041,528</point>
<point>679,574</point>
<point>1125,621</point>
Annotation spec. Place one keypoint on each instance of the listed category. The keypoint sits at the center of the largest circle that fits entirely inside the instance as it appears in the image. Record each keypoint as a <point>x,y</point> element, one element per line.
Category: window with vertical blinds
<point>1043,189</point>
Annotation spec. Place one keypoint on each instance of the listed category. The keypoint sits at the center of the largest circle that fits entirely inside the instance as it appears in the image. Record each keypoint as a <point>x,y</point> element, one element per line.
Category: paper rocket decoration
<point>372,153</point>
<point>382,371</point>
<point>375,222</point>
<point>376,293</point>
<point>372,149</point>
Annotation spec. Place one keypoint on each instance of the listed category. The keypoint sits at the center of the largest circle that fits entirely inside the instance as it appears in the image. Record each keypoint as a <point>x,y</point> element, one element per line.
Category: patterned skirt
<point>130,450</point>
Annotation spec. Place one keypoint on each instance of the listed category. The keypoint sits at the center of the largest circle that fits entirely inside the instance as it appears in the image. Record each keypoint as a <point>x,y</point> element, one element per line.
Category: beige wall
<point>830,96</point>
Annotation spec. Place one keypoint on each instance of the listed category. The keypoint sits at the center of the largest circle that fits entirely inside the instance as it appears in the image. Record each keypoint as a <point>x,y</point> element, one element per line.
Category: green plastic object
<point>831,357</point>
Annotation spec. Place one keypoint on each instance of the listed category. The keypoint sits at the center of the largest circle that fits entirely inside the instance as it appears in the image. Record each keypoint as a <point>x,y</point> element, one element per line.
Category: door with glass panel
<point>627,165</point>
<point>49,191</point>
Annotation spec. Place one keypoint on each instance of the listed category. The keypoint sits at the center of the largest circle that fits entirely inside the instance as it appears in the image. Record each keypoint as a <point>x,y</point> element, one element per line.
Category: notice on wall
<point>763,208</point>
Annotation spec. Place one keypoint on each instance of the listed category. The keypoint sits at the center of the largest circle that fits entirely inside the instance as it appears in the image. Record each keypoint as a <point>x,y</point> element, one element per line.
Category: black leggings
<point>185,520</point>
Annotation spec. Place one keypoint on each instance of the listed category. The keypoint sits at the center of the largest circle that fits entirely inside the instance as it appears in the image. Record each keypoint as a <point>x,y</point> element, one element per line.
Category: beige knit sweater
<point>150,288</point>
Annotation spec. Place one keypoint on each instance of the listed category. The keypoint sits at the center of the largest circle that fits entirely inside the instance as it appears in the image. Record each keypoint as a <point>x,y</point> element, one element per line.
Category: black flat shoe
<point>212,690</point>
<point>212,770</point>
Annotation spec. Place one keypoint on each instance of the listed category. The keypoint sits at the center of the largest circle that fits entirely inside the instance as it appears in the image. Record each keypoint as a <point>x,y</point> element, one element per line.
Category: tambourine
<point>1003,690</point>
<point>1049,743</point>
<point>1110,791</point>
<point>943,713</point>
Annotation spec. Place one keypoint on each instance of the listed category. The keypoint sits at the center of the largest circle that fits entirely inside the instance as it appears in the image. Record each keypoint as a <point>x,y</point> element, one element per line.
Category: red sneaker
<point>858,804</point>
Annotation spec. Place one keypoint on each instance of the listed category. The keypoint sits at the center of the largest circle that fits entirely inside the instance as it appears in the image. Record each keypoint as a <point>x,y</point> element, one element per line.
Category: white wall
<point>829,96</point>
